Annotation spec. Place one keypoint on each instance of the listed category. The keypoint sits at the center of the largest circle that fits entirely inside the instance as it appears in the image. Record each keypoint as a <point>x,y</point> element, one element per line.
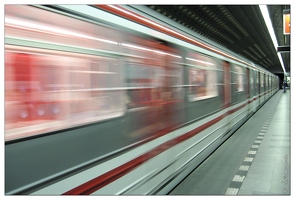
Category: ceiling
<point>240,28</point>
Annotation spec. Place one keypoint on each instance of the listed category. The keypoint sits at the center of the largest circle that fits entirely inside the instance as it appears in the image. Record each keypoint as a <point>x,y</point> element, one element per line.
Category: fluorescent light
<point>268,23</point>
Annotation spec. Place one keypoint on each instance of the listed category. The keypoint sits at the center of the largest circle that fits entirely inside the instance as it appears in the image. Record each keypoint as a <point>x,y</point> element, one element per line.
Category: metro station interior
<point>133,100</point>
<point>240,28</point>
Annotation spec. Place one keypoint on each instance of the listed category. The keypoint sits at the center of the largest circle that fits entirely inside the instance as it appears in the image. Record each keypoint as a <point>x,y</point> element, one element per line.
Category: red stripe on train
<point>117,10</point>
<point>103,180</point>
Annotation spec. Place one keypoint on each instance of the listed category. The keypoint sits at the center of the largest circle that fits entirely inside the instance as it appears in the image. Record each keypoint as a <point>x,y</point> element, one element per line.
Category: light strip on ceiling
<point>268,23</point>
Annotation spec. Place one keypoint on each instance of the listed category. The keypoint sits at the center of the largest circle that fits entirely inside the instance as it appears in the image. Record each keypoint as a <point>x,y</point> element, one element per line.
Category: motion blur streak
<point>36,27</point>
<point>48,91</point>
<point>166,30</point>
<point>110,102</point>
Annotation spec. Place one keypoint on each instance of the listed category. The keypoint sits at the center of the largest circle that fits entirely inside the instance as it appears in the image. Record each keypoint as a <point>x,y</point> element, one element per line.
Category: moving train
<point>113,100</point>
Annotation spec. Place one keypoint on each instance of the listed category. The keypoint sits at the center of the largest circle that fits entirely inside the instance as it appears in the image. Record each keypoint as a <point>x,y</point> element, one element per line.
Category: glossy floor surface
<point>254,161</point>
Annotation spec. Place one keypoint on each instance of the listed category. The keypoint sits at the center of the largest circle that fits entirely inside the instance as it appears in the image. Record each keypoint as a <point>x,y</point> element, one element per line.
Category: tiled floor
<point>269,173</point>
<point>254,161</point>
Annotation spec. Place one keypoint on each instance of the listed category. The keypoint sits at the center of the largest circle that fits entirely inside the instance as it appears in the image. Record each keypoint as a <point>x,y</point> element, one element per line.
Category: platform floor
<point>254,161</point>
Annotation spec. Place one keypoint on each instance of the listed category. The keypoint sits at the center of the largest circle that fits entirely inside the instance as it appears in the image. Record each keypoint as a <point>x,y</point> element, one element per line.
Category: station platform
<point>255,160</point>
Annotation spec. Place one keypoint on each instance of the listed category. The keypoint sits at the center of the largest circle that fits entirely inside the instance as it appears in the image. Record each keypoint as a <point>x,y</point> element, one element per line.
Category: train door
<point>253,88</point>
<point>271,85</point>
<point>248,83</point>
<point>262,94</point>
<point>227,84</point>
<point>258,88</point>
<point>266,86</point>
<point>254,98</point>
<point>226,92</point>
<point>153,80</point>
<point>250,107</point>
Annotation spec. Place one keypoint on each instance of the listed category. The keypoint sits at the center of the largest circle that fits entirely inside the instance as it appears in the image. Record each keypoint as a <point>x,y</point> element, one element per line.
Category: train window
<point>47,92</point>
<point>251,80</point>
<point>152,74</point>
<point>202,77</point>
<point>151,83</point>
<point>197,79</point>
<point>261,80</point>
<point>257,80</point>
<point>238,79</point>
<point>140,80</point>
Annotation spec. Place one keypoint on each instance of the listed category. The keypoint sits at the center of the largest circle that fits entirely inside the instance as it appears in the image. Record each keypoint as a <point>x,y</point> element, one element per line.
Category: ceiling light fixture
<point>268,23</point>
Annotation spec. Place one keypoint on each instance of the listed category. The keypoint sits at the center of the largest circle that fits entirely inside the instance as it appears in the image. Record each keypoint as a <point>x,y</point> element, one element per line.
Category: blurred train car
<point>105,100</point>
